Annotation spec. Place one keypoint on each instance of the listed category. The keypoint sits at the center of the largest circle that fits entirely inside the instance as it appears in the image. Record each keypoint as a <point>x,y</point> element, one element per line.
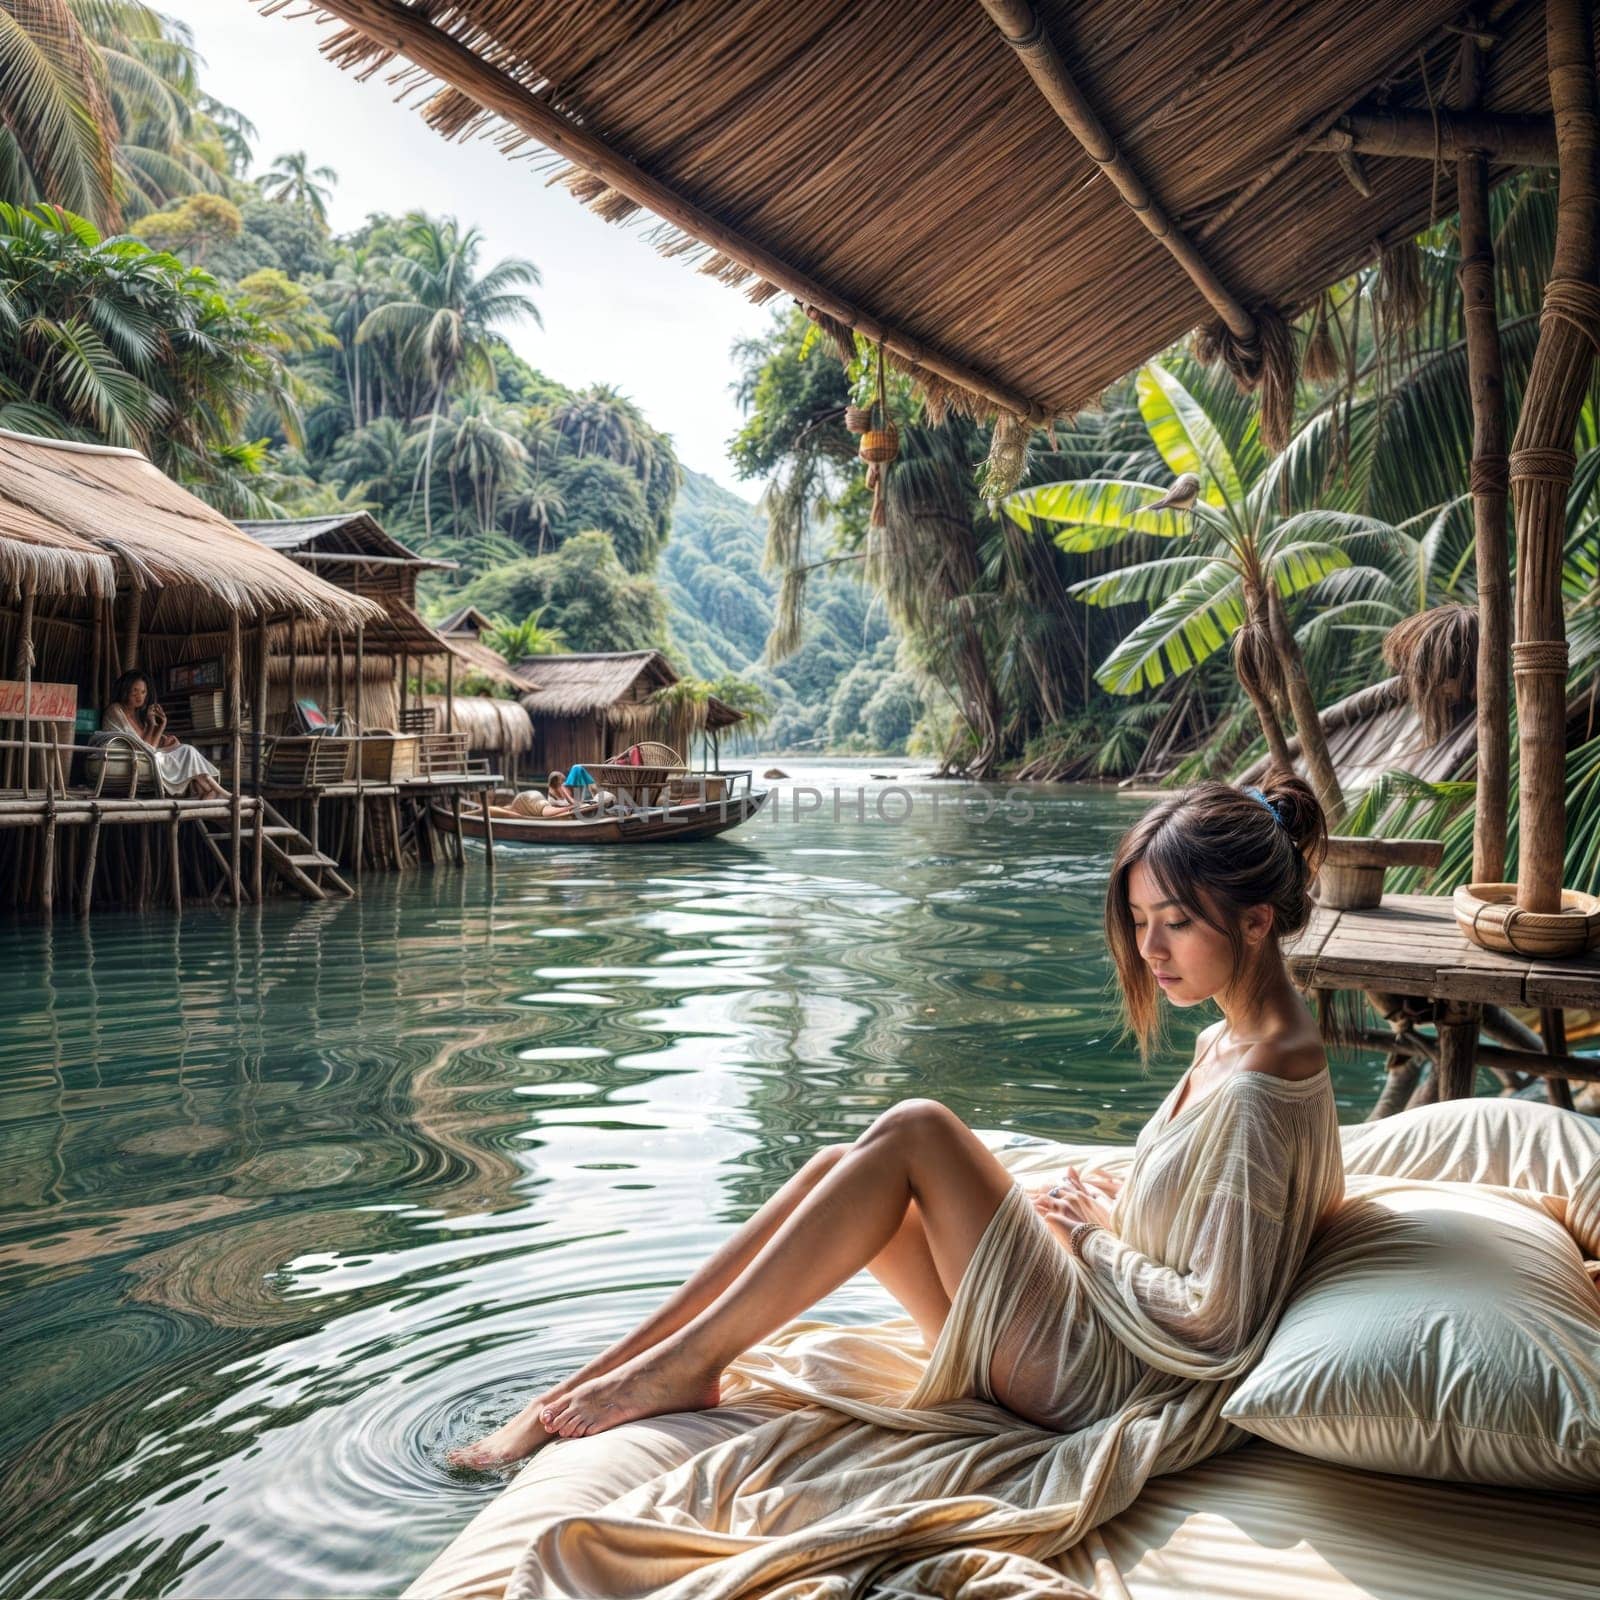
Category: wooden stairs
<point>288,852</point>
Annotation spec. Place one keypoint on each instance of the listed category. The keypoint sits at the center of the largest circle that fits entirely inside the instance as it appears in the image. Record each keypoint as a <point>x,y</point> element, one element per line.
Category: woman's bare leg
<point>905,1267</point>
<point>917,1153</point>
<point>907,1272</point>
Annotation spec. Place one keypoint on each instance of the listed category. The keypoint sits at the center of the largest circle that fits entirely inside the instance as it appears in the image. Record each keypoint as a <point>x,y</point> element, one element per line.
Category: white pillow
<point>1438,1330</point>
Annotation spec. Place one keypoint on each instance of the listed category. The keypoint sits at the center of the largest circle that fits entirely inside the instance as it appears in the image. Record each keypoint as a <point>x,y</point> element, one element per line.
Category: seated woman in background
<point>180,769</point>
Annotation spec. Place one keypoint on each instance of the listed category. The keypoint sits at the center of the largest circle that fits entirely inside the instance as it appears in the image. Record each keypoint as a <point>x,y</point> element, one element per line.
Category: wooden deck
<point>1411,945</point>
<point>1414,964</point>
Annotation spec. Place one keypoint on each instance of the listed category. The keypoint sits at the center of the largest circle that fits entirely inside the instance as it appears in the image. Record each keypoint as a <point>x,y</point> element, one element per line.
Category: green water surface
<point>297,1197</point>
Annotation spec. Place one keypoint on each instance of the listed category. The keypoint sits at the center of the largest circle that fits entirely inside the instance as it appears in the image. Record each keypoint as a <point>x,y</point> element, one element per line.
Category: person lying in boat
<point>180,769</point>
<point>550,804</point>
<point>1063,1302</point>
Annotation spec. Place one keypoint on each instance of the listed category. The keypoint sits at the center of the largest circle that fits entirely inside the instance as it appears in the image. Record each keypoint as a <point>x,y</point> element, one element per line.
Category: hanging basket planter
<point>1489,916</point>
<point>858,418</point>
<point>880,444</point>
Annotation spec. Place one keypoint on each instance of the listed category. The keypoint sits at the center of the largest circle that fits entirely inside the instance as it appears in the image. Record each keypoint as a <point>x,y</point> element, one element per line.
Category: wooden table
<point>1410,946</point>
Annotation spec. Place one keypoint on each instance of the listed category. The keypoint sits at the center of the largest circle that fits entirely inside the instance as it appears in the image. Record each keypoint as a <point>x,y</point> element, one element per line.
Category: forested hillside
<point>180,298</point>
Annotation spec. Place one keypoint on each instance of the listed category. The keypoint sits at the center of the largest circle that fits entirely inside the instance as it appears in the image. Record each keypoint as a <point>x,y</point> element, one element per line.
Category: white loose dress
<point>894,1474</point>
<point>175,769</point>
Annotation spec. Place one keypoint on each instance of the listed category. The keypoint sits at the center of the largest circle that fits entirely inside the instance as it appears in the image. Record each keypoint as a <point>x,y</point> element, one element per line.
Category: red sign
<point>46,702</point>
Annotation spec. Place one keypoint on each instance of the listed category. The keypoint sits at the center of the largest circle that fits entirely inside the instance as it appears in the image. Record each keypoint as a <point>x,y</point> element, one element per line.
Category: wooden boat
<point>695,819</point>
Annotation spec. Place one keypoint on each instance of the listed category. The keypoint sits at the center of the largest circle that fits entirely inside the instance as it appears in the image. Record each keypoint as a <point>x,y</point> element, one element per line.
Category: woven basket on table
<point>1488,914</point>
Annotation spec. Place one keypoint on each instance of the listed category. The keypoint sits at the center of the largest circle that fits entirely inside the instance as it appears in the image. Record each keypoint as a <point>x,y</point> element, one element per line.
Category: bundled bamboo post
<point>450,692</point>
<point>1489,485</point>
<point>1542,459</point>
<point>235,672</point>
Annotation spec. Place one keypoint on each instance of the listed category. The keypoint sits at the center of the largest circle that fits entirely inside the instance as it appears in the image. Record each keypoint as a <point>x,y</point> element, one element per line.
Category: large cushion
<point>1440,1330</point>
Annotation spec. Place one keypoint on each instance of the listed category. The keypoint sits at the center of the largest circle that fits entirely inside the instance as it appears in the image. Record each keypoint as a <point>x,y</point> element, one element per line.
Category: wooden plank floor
<point>1410,944</point>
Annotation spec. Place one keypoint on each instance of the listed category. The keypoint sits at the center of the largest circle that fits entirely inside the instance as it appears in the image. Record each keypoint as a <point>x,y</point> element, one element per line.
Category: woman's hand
<point>1075,1198</point>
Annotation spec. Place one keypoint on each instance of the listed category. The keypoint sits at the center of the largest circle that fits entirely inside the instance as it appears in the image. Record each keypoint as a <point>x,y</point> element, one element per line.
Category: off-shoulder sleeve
<point>1237,1237</point>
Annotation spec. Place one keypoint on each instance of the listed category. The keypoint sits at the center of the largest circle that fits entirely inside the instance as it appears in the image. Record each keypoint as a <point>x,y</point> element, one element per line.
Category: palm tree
<point>293,181</point>
<point>102,112</point>
<point>519,641</point>
<point>482,447</point>
<point>441,326</point>
<point>1248,556</point>
<point>120,343</point>
<point>538,505</point>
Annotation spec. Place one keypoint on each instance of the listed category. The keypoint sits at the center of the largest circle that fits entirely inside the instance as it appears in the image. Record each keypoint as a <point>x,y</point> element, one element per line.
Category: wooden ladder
<point>290,854</point>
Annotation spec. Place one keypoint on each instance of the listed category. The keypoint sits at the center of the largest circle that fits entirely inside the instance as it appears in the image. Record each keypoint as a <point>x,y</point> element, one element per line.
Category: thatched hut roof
<point>158,537</point>
<point>479,659</point>
<point>327,541</point>
<point>613,685</point>
<point>466,619</point>
<point>899,167</point>
<point>498,725</point>
<point>720,715</point>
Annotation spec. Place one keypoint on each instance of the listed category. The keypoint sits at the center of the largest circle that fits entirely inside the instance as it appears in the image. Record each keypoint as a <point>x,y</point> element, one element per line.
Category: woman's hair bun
<point>1300,812</point>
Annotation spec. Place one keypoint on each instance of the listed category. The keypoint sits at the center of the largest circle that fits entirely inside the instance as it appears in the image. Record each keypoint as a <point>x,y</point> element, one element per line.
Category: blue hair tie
<point>1256,794</point>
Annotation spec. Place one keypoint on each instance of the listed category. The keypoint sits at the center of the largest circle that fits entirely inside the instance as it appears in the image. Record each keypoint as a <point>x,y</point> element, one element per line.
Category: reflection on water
<point>297,1196</point>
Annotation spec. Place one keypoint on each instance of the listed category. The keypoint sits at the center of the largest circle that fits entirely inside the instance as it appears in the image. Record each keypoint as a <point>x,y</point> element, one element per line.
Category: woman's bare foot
<point>668,1378</point>
<point>512,1441</point>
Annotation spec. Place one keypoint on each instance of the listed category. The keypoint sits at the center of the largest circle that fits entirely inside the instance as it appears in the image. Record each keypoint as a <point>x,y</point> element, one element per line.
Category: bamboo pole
<point>235,672</point>
<point>1452,135</point>
<point>408,32</point>
<point>47,865</point>
<point>174,857</point>
<point>1542,459</point>
<point>450,692</point>
<point>1489,483</point>
<point>361,752</point>
<point>258,721</point>
<point>90,855</point>
<point>25,672</point>
<point>1024,30</point>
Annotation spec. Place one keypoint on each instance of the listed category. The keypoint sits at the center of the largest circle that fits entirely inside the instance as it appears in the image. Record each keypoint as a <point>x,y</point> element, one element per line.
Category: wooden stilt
<point>175,857</point>
<point>455,809</point>
<point>25,672</point>
<point>1553,1030</point>
<point>488,831</point>
<point>361,761</point>
<point>91,853</point>
<point>47,865</point>
<point>257,866</point>
<point>1458,1049</point>
<point>235,672</point>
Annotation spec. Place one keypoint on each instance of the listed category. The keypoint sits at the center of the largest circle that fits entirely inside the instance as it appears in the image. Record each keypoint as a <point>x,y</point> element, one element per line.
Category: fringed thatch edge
<point>51,570</point>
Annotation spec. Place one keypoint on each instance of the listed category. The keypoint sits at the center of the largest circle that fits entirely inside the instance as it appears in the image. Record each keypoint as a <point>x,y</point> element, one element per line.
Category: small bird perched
<point>1184,492</point>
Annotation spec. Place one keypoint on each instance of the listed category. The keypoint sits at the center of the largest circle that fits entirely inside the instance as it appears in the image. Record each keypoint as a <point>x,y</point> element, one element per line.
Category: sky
<point>614,311</point>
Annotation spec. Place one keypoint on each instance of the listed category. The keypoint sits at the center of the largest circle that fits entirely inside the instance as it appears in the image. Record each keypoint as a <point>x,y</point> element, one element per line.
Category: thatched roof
<point>498,725</point>
<point>157,536</point>
<point>899,167</point>
<point>357,534</point>
<point>613,685</point>
<point>721,715</point>
<point>466,619</point>
<point>479,658</point>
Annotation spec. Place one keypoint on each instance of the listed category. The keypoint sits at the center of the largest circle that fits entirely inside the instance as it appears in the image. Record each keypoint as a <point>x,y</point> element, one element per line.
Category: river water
<point>296,1197</point>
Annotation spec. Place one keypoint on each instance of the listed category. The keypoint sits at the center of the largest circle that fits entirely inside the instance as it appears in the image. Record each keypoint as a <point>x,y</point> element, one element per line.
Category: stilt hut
<point>108,565</point>
<point>588,707</point>
<point>1232,170</point>
<point>378,809</point>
